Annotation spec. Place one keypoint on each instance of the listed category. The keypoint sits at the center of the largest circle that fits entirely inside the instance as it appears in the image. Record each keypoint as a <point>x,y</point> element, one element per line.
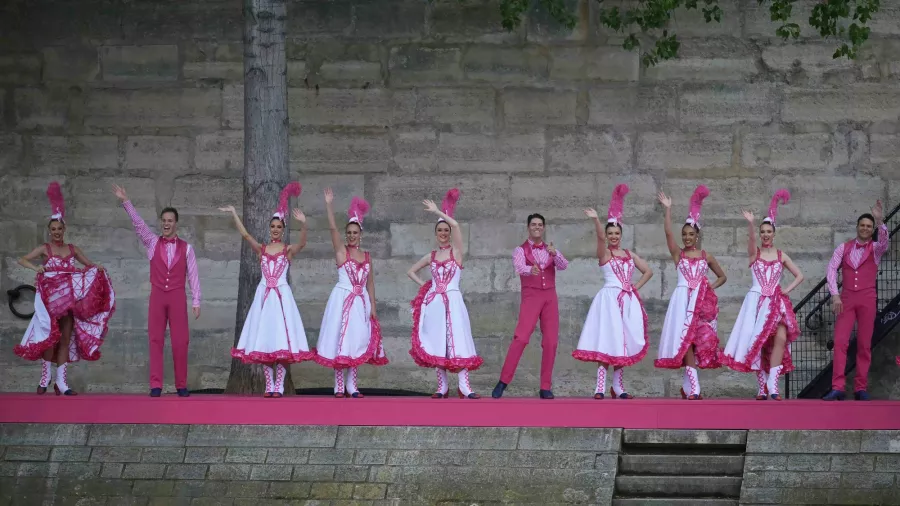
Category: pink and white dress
<point>691,319</point>
<point>349,336</point>
<point>441,333</point>
<point>63,289</point>
<point>273,331</point>
<point>764,308</point>
<point>615,329</point>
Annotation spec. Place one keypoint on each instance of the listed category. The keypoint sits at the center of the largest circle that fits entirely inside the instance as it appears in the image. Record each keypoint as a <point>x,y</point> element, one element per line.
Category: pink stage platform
<point>423,411</point>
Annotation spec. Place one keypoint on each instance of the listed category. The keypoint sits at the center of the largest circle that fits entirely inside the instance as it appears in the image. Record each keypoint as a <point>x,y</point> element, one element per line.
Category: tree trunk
<point>266,167</point>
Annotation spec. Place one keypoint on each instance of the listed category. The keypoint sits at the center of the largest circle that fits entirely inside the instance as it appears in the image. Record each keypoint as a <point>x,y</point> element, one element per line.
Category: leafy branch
<point>844,20</point>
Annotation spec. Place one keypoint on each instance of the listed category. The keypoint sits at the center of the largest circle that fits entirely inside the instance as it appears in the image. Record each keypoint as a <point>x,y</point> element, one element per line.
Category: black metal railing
<point>812,352</point>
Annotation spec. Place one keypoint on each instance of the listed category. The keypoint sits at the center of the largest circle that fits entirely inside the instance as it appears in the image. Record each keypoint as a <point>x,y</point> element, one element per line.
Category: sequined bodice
<point>766,275</point>
<point>274,268</point>
<point>618,271</point>
<point>444,274</point>
<point>692,271</point>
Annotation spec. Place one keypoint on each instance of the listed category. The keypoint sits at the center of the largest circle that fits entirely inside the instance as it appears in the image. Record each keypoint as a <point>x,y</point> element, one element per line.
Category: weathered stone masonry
<point>400,100</point>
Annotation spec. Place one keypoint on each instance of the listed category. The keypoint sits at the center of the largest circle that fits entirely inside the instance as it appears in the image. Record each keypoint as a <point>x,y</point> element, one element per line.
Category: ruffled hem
<point>424,359</point>
<point>701,334</point>
<point>618,360</point>
<point>763,343</point>
<point>34,351</point>
<point>374,354</point>
<point>281,356</point>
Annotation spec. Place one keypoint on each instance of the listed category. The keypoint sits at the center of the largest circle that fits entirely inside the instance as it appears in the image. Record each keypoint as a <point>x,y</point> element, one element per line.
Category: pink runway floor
<point>416,411</point>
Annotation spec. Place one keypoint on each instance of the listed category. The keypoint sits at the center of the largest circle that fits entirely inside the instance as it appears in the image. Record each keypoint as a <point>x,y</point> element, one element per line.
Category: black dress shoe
<point>183,392</point>
<point>861,395</point>
<point>498,390</point>
<point>546,394</point>
<point>834,395</point>
<point>155,392</point>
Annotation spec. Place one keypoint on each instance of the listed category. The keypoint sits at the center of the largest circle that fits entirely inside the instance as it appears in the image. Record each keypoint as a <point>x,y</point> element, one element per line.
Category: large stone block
<point>531,108</point>
<point>882,441</point>
<point>157,153</point>
<point>698,151</point>
<point>176,107</point>
<point>589,150</point>
<point>340,152</point>
<point>56,154</point>
<point>44,107</point>
<point>758,20</point>
<point>807,441</point>
<point>481,153</point>
<point>490,239</point>
<point>854,102</point>
<point>73,63</point>
<point>20,69</point>
<point>415,150</point>
<point>718,438</point>
<point>813,59</point>
<point>562,197</point>
<point>719,105</point>
<point>401,438</point>
<point>369,107</point>
<point>650,240</point>
<point>399,19</point>
<point>726,198</point>
<point>10,149</point>
<point>351,73</point>
<point>21,236</point>
<point>233,107</point>
<point>312,201</point>
<point>396,197</point>
<point>495,64</point>
<point>418,65</point>
<point>542,438</point>
<point>579,239</point>
<point>261,435</point>
<point>137,435</point>
<point>312,18</point>
<point>790,152</point>
<point>633,105</point>
<point>91,201</point>
<point>139,63</point>
<point>820,196</point>
<point>468,22</point>
<point>224,70</point>
<point>221,152</point>
<point>604,63</point>
<point>456,106</point>
<point>205,195</point>
<point>708,60</point>
<point>418,239</point>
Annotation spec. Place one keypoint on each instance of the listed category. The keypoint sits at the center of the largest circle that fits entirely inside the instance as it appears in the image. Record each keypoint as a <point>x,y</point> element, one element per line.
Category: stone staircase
<point>674,467</point>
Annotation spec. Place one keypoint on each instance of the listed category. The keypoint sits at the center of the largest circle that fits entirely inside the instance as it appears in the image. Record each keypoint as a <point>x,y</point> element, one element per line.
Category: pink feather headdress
<point>448,205</point>
<point>700,193</point>
<point>292,189</point>
<point>617,204</point>
<point>357,211</point>
<point>781,195</point>
<point>57,203</point>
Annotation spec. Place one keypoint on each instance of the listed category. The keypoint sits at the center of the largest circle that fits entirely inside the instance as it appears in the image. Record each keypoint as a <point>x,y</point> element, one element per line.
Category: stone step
<point>735,439</point>
<point>682,465</point>
<point>678,486</point>
<point>671,501</point>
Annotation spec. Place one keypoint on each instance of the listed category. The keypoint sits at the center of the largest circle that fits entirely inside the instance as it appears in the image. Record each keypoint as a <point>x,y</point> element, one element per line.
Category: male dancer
<point>536,264</point>
<point>858,260</point>
<point>172,261</point>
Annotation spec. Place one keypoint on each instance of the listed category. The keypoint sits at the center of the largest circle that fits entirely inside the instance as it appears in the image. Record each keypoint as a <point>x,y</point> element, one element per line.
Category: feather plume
<point>357,210</point>
<point>448,205</point>
<point>781,195</point>
<point>292,189</point>
<point>700,193</point>
<point>57,203</point>
<point>617,204</point>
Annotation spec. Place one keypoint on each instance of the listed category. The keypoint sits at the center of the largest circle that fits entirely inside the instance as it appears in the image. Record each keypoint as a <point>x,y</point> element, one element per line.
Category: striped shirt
<point>149,239</point>
<point>857,256</point>
<point>542,256</point>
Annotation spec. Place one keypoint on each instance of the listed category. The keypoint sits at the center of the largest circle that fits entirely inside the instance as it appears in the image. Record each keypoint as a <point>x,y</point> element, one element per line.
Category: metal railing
<point>813,351</point>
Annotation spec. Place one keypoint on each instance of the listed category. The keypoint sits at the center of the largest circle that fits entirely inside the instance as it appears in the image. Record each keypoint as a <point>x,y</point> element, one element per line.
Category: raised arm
<point>293,249</point>
<point>456,237</point>
<point>717,270</point>
<point>751,235</point>
<point>790,266</point>
<point>148,237</point>
<point>602,250</point>
<point>340,254</point>
<point>412,272</point>
<point>83,259</point>
<point>370,287</point>
<point>644,268</point>
<point>27,260</point>
<point>674,250</point>
<point>881,245</point>
<point>242,229</point>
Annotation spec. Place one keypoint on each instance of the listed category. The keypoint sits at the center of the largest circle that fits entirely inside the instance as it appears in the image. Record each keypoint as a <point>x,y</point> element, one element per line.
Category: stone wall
<point>400,100</point>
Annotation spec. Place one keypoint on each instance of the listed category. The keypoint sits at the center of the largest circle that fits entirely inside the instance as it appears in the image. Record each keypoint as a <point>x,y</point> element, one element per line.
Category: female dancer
<point>350,334</point>
<point>766,326</point>
<point>689,337</point>
<point>69,302</point>
<point>615,330</point>
<point>441,333</point>
<point>273,333</point>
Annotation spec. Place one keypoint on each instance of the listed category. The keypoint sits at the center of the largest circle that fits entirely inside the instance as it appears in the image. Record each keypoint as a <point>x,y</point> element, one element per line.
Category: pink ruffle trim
<point>423,358</point>
<point>374,354</point>
<point>764,342</point>
<point>282,356</point>
<point>700,334</point>
<point>618,361</point>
